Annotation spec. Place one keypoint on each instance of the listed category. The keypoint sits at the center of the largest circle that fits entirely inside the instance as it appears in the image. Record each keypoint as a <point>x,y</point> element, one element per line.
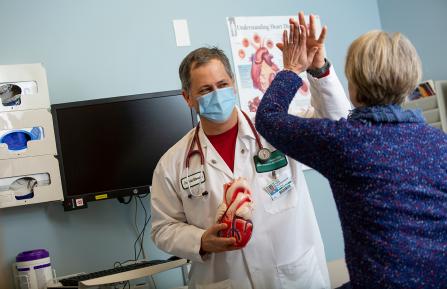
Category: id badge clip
<point>276,161</point>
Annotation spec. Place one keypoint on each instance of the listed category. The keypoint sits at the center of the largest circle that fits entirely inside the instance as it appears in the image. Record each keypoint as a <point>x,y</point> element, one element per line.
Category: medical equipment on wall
<point>23,186</point>
<point>30,171</point>
<point>17,139</point>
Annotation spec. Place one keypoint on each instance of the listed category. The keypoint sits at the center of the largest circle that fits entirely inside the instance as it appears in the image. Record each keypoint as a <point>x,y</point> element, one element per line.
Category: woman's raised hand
<point>298,53</point>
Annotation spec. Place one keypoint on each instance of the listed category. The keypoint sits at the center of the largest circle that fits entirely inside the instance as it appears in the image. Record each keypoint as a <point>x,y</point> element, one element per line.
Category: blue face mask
<point>217,105</point>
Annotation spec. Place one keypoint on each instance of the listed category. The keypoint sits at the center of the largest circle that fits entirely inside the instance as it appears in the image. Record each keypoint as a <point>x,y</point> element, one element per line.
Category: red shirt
<point>225,144</point>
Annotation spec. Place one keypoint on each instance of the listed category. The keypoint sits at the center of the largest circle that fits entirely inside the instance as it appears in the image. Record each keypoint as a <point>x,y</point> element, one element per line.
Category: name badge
<point>279,187</point>
<point>193,180</point>
<point>276,161</point>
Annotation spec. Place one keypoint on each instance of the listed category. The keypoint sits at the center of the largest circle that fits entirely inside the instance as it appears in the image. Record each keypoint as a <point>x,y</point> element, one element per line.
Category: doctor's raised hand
<point>297,56</point>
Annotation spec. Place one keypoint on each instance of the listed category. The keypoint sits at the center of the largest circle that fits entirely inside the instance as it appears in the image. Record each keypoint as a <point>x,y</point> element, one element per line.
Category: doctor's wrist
<point>202,252</point>
<point>321,71</point>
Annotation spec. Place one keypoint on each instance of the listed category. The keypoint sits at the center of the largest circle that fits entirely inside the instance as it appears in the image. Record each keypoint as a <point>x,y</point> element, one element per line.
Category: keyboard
<point>74,280</point>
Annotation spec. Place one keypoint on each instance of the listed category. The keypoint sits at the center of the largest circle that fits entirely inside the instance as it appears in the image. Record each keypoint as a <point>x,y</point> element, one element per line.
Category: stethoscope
<point>263,155</point>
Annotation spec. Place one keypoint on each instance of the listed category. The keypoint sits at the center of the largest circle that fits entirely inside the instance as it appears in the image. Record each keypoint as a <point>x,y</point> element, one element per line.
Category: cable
<point>153,282</point>
<point>140,237</point>
<point>143,196</point>
<point>137,230</point>
<point>121,200</point>
<point>140,234</point>
<point>147,220</point>
<point>120,264</point>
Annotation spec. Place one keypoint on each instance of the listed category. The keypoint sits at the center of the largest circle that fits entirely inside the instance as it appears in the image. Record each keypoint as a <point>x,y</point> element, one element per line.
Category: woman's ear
<point>353,94</point>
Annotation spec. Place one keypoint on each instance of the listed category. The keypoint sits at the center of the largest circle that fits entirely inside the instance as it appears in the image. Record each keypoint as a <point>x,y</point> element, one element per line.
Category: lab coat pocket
<point>286,196</point>
<point>198,211</point>
<point>303,273</point>
<point>225,284</point>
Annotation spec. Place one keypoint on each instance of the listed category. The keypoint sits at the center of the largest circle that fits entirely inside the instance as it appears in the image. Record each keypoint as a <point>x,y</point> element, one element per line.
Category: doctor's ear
<point>187,98</point>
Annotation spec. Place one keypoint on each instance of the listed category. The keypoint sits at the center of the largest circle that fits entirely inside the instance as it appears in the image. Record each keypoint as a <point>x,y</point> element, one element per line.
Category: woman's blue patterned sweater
<point>388,173</point>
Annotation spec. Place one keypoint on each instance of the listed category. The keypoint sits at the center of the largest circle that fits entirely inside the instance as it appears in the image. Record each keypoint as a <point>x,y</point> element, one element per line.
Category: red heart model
<point>236,211</point>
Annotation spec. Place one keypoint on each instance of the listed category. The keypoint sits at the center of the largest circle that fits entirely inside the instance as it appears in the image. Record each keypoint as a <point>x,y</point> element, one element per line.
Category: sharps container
<point>33,269</point>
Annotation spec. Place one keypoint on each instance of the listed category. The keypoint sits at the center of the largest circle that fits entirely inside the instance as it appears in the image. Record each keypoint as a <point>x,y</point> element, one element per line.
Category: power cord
<point>140,234</point>
<point>140,238</point>
<point>122,201</point>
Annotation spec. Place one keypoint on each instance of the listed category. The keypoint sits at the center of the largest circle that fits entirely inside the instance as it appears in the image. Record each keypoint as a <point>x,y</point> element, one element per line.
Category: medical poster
<point>256,59</point>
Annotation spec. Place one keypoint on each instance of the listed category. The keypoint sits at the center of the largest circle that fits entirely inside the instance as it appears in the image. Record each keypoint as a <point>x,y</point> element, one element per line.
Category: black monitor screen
<point>113,145</point>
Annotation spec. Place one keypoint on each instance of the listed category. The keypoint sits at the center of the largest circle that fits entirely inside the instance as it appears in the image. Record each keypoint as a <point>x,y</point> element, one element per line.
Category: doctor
<point>286,249</point>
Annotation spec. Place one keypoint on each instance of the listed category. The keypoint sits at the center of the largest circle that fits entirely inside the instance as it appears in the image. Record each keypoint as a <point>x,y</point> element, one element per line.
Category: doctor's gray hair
<point>199,57</point>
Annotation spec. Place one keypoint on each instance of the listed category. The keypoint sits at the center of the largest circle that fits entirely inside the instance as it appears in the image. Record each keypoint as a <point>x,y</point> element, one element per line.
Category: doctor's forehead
<point>208,73</point>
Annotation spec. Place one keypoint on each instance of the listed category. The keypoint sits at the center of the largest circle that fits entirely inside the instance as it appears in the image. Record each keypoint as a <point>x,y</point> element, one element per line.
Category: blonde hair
<point>384,68</point>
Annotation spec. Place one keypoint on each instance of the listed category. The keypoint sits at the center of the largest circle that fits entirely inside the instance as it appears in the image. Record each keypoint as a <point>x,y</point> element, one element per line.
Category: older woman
<point>387,168</point>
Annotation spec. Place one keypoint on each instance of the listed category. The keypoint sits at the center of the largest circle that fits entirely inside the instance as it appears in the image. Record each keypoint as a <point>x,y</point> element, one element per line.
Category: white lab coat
<point>285,250</point>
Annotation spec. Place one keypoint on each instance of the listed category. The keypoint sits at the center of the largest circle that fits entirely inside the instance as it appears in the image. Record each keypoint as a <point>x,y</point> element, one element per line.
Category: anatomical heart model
<point>236,211</point>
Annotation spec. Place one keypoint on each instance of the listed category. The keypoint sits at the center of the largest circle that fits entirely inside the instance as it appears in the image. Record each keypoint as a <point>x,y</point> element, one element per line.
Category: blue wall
<point>424,23</point>
<point>97,48</point>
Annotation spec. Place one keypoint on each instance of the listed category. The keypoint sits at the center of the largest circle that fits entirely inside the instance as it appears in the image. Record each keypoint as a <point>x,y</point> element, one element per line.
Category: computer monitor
<point>108,148</point>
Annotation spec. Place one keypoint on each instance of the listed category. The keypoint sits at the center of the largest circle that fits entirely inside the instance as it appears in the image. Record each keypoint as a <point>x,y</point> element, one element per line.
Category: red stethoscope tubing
<point>199,151</point>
